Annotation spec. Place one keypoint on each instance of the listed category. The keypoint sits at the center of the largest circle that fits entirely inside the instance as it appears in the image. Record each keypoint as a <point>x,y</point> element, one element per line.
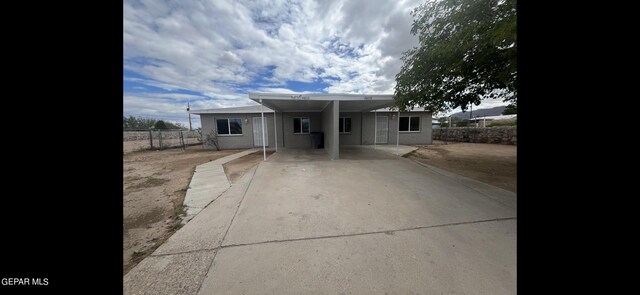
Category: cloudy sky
<point>212,53</point>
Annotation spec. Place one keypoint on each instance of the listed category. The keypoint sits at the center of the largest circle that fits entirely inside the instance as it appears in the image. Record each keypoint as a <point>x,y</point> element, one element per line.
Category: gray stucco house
<point>344,119</point>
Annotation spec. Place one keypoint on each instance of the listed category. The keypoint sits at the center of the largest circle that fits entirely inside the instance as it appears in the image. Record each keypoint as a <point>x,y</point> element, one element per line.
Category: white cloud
<point>277,90</point>
<point>220,48</point>
<point>172,107</point>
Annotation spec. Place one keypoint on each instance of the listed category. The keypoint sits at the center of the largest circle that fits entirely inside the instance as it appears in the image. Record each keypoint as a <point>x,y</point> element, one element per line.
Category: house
<point>486,120</point>
<point>435,124</point>
<point>292,120</point>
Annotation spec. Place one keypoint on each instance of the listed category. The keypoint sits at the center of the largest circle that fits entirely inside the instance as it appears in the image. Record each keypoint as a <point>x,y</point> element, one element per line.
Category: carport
<point>327,107</point>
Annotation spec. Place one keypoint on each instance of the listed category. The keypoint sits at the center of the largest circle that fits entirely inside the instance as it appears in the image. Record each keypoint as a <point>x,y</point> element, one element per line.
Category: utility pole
<point>188,109</point>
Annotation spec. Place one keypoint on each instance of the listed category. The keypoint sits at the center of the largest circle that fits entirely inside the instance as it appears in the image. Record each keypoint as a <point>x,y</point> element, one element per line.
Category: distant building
<point>435,124</point>
<point>486,120</point>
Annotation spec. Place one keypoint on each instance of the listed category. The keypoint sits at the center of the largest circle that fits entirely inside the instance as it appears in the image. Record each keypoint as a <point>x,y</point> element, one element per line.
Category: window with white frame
<point>410,124</point>
<point>231,126</point>
<point>301,125</point>
<point>344,125</point>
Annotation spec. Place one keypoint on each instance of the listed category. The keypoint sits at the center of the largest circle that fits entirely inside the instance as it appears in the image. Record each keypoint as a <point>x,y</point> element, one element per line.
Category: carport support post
<point>275,128</point>
<point>375,128</point>
<point>398,134</point>
<point>264,147</point>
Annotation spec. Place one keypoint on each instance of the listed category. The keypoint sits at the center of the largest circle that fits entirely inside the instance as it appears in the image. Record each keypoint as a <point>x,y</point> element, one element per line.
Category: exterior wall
<point>245,140</point>
<point>367,128</point>
<point>353,138</point>
<point>292,140</point>
<point>362,129</point>
<point>422,137</point>
<point>330,128</point>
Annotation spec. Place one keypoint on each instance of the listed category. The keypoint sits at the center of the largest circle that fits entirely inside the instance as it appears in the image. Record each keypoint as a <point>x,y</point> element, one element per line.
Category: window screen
<point>229,126</point>
<point>414,124</point>
<point>404,123</point>
<point>301,125</point>
<point>410,124</point>
<point>236,126</point>
<point>223,126</point>
<point>344,125</point>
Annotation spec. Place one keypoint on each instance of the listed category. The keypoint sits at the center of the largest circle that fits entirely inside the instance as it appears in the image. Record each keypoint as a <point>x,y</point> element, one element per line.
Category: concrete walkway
<point>368,223</point>
<point>180,265</point>
<point>208,182</point>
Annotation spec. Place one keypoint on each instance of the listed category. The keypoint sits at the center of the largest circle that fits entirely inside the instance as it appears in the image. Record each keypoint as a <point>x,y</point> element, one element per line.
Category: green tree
<point>461,123</point>
<point>132,122</point>
<point>160,125</point>
<point>511,109</point>
<point>466,53</point>
<point>175,126</point>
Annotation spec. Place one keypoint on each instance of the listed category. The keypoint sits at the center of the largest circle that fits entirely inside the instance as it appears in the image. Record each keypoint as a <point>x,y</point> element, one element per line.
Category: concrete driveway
<point>370,222</point>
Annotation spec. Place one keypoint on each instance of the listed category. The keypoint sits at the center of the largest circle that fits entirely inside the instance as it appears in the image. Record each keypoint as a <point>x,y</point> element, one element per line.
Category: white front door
<point>382,129</point>
<point>257,132</point>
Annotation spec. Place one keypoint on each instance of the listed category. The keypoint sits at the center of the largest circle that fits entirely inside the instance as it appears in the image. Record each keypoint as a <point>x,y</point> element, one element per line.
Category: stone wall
<point>499,135</point>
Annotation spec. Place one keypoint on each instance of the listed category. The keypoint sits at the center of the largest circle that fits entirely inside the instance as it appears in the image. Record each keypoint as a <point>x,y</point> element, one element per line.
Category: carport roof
<point>316,102</point>
<point>235,110</point>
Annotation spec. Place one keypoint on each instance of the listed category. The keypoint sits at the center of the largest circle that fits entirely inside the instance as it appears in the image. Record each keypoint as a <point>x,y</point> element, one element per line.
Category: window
<point>410,124</point>
<point>345,125</point>
<point>301,125</point>
<point>229,126</point>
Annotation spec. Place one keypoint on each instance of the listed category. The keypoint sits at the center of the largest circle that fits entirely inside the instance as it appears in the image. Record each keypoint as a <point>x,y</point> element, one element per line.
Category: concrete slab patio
<point>371,222</point>
<point>397,150</point>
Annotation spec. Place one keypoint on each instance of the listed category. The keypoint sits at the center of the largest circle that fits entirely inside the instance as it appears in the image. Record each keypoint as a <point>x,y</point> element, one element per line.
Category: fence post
<point>182,140</point>
<point>160,136</point>
<point>150,139</point>
<point>446,136</point>
<point>468,134</point>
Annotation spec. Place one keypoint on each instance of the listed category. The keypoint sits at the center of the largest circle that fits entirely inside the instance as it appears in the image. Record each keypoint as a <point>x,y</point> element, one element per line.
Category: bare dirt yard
<point>135,145</point>
<point>238,167</point>
<point>155,184</point>
<point>495,164</point>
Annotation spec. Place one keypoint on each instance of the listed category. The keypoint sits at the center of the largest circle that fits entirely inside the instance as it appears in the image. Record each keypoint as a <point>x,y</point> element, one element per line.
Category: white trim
<point>343,124</point>
<point>409,126</point>
<point>229,127</point>
<point>264,147</point>
<point>301,132</point>
<point>319,96</point>
<point>254,123</point>
<point>398,132</point>
<point>302,111</point>
<point>375,128</point>
<point>376,125</point>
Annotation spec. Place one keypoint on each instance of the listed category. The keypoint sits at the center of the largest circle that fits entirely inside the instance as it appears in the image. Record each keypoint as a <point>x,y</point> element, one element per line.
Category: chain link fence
<point>137,140</point>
